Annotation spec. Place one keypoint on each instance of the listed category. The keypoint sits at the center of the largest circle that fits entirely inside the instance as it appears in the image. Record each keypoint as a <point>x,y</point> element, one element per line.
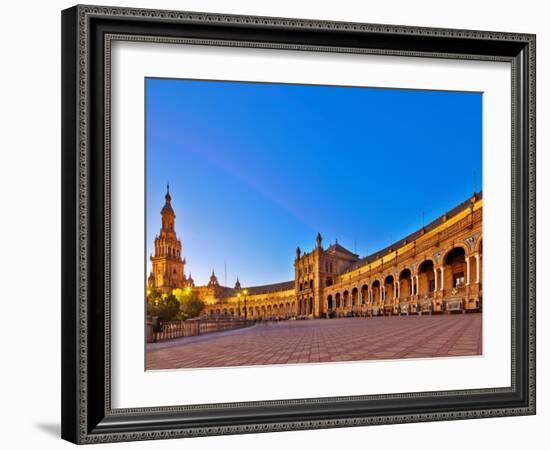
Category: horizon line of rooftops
<point>287,285</point>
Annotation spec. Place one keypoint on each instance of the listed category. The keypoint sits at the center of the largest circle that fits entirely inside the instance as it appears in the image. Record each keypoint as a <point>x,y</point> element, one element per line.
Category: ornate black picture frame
<point>87,415</point>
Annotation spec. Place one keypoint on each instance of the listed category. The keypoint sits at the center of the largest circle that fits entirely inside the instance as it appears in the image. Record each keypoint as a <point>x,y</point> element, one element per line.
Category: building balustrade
<point>162,331</point>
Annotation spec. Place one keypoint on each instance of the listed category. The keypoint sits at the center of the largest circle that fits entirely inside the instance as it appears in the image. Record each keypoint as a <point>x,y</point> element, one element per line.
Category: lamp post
<point>245,292</point>
<point>239,304</point>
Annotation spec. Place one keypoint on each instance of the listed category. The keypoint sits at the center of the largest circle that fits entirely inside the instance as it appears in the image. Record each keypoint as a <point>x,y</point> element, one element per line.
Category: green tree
<point>165,307</point>
<point>154,296</point>
<point>190,304</point>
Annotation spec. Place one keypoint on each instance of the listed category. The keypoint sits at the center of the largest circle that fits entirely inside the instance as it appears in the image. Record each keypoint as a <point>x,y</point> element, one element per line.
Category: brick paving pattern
<point>313,341</point>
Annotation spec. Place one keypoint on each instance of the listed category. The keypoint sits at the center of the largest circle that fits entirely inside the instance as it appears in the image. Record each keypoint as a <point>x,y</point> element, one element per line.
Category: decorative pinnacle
<point>319,239</point>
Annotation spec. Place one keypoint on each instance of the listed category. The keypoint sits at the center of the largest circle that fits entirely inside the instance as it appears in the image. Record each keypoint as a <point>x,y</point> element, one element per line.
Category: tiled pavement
<point>349,339</point>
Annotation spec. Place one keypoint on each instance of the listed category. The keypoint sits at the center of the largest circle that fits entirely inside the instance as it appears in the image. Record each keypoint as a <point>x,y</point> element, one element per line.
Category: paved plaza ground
<point>313,341</point>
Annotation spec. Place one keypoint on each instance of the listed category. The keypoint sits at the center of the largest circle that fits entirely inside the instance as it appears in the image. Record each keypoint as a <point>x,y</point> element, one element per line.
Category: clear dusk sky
<point>256,169</point>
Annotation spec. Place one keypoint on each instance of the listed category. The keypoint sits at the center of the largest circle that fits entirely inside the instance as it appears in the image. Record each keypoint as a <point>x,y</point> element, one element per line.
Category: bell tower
<point>168,265</point>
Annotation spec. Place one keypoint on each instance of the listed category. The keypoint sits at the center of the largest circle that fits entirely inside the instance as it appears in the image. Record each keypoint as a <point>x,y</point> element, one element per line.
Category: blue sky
<point>256,169</point>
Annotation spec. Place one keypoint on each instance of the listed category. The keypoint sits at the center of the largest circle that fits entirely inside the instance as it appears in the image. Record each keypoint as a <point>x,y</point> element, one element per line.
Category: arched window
<point>455,266</point>
<point>426,277</point>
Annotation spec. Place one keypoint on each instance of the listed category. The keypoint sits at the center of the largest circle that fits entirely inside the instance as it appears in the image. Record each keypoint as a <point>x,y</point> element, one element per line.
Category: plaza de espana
<point>436,269</point>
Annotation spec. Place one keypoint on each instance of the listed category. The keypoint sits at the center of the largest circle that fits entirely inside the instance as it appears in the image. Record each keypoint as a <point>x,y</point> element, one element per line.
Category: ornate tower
<point>316,270</point>
<point>213,282</point>
<point>168,266</point>
<point>237,285</point>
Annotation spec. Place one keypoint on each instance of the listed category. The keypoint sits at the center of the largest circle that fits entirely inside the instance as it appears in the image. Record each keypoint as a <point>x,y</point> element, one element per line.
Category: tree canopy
<point>181,304</point>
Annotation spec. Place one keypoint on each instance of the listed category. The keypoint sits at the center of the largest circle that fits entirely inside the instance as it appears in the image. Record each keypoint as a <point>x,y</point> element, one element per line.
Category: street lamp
<point>239,304</point>
<point>245,292</point>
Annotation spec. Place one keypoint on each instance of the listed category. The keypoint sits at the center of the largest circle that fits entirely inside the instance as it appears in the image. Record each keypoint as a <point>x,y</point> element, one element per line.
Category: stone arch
<point>454,263</point>
<point>389,288</point>
<point>330,302</point>
<point>405,283</point>
<point>345,298</point>
<point>354,297</point>
<point>376,291</point>
<point>364,293</point>
<point>426,276</point>
<point>450,248</point>
<point>425,259</point>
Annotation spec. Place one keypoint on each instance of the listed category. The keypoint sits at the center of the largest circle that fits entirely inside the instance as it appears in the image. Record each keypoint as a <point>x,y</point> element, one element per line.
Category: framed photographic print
<point>278,224</point>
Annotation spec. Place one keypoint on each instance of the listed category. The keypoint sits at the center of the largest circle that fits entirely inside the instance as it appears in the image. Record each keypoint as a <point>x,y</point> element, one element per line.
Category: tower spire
<point>213,280</point>
<point>167,261</point>
<point>167,213</point>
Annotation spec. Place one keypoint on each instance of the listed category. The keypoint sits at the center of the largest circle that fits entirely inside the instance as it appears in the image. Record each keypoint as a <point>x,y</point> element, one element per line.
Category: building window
<point>458,279</point>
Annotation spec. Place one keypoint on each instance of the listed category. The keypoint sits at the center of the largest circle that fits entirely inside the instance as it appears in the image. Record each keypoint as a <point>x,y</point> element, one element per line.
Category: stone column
<point>467,270</point>
<point>442,278</point>
<point>477,268</point>
<point>435,279</point>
